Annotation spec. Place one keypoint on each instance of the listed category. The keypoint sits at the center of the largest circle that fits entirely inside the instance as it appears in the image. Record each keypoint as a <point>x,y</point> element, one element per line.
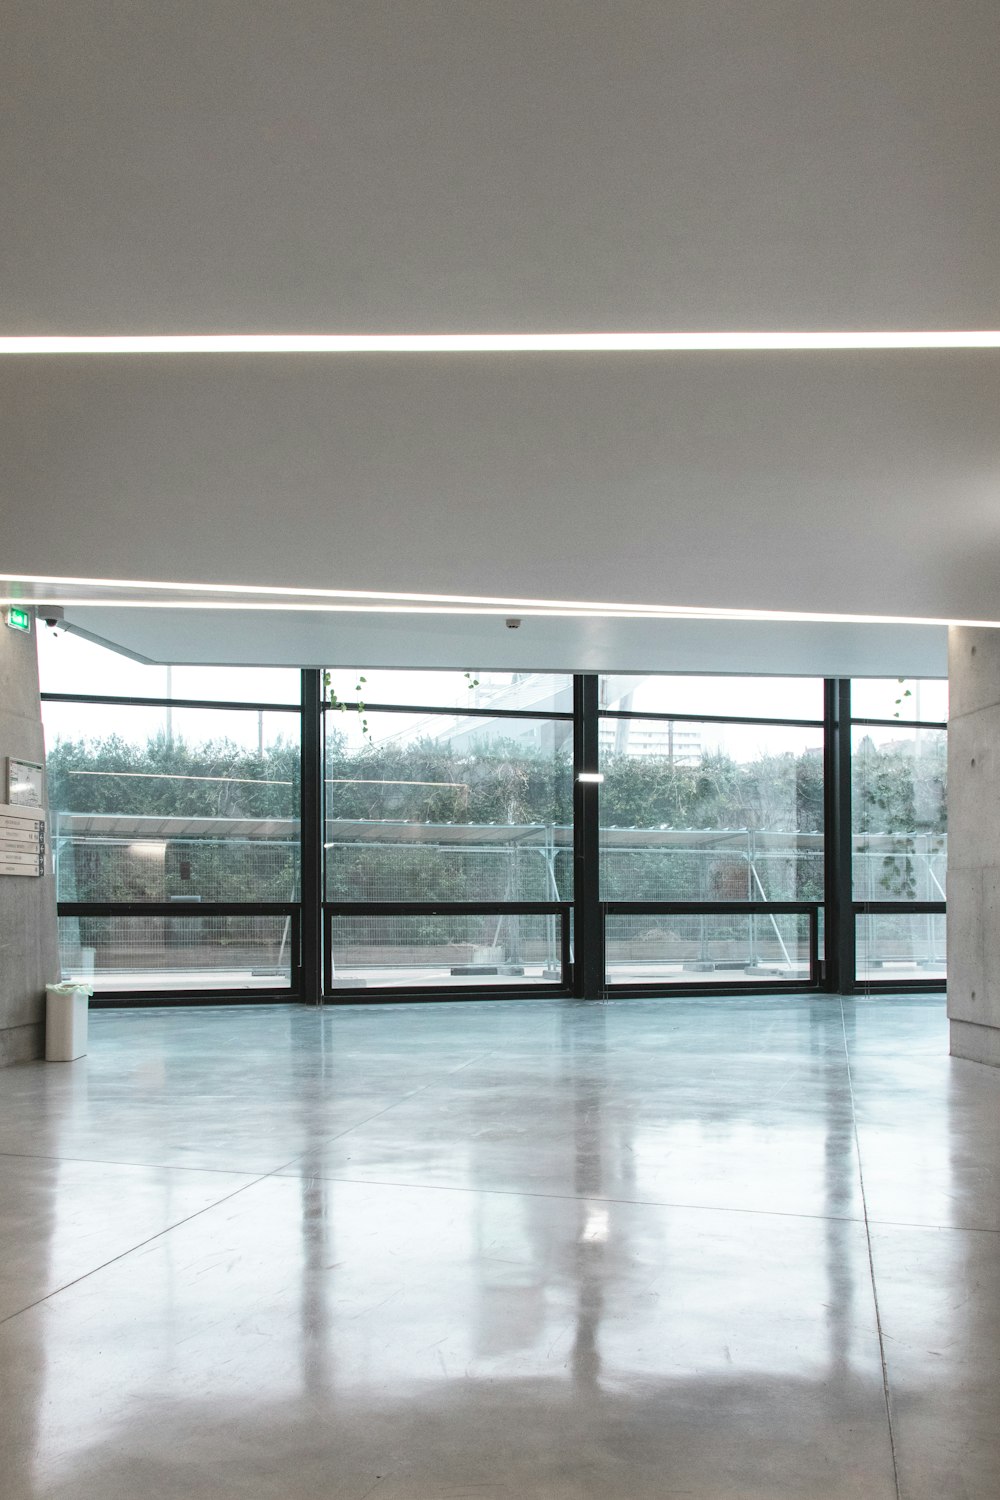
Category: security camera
<point>52,615</point>
<point>512,624</point>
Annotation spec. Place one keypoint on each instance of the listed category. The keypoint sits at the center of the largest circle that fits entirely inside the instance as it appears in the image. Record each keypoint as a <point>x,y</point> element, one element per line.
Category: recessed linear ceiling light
<point>46,587</point>
<point>106,593</point>
<point>678,612</point>
<point>667,612</point>
<point>295,607</point>
<point>41,589</point>
<point>492,343</point>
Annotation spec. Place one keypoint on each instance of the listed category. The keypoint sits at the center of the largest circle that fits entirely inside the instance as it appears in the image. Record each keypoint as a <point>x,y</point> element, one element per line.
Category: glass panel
<point>724,813</point>
<point>748,697</point>
<point>713,949</point>
<point>899,813</point>
<point>446,951</point>
<point>69,664</point>
<point>901,946</point>
<point>541,692</point>
<point>236,684</point>
<point>182,804</point>
<point>900,698</point>
<point>432,808</point>
<point>191,953</point>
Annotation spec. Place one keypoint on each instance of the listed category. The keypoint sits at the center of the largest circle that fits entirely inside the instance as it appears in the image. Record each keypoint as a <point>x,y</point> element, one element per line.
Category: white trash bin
<point>66,1021</point>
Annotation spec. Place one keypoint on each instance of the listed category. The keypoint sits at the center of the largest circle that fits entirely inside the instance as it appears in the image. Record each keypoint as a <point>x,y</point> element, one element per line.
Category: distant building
<point>680,742</point>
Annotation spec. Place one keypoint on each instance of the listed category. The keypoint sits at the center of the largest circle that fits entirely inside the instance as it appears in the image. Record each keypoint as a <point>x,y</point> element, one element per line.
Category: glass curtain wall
<point>899,823</point>
<point>174,823</point>
<point>452,861</point>
<point>448,830</point>
<point>712,830</point>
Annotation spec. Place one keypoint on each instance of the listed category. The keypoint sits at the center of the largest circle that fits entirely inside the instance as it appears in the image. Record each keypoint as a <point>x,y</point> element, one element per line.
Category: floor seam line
<point>935,1228</point>
<point>708,1208</point>
<point>338,1135</point>
<point>871,1265</point>
<point>148,1166</point>
<point>257,1174</point>
<point>151,1239</point>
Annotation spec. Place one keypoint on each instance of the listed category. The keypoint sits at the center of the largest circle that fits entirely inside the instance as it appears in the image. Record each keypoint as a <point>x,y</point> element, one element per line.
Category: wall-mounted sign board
<point>22,841</point>
<point>19,619</point>
<point>24,783</point>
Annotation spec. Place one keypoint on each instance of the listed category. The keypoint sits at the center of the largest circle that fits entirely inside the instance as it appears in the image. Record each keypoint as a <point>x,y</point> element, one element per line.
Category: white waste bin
<point>66,1021</point>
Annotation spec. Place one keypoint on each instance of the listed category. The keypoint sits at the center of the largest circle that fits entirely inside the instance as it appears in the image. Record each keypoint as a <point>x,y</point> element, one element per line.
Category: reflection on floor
<point>712,1248</point>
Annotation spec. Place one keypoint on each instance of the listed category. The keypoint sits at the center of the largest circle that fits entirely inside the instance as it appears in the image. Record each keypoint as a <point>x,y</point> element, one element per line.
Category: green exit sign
<point>19,619</point>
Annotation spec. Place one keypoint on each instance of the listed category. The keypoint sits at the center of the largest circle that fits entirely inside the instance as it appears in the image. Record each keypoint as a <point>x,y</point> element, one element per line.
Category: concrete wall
<point>974,844</point>
<point>28,941</point>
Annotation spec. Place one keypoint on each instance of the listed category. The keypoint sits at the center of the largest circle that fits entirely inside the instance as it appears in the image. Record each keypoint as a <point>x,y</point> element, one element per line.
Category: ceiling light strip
<point>497,343</point>
<point>666,613</point>
<point>251,593</point>
<point>329,607</point>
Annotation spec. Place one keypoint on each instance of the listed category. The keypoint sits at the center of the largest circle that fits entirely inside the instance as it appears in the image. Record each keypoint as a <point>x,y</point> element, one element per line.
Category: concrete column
<point>29,956</point>
<point>974,844</point>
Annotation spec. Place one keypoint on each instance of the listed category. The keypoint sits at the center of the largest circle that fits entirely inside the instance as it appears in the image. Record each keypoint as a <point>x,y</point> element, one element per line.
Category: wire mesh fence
<point>141,952</point>
<point>124,859</point>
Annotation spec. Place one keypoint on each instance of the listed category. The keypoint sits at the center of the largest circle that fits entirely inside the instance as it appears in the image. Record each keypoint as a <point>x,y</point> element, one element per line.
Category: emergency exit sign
<point>19,619</point>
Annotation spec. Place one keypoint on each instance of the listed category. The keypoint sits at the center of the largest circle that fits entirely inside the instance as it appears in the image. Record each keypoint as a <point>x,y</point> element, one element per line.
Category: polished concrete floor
<point>717,1249</point>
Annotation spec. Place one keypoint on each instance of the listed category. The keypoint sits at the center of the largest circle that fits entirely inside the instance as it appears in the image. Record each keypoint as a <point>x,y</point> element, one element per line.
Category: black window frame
<point>873,908</point>
<point>295,991</point>
<point>582,920</point>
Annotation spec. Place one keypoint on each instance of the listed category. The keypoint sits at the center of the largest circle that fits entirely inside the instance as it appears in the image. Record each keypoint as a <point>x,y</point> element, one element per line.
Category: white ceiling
<point>433,165</point>
<point>368,165</point>
<point>843,483</point>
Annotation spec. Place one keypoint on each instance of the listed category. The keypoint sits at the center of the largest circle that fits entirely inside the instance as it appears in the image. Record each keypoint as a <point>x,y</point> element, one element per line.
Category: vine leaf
<point>359,707</point>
